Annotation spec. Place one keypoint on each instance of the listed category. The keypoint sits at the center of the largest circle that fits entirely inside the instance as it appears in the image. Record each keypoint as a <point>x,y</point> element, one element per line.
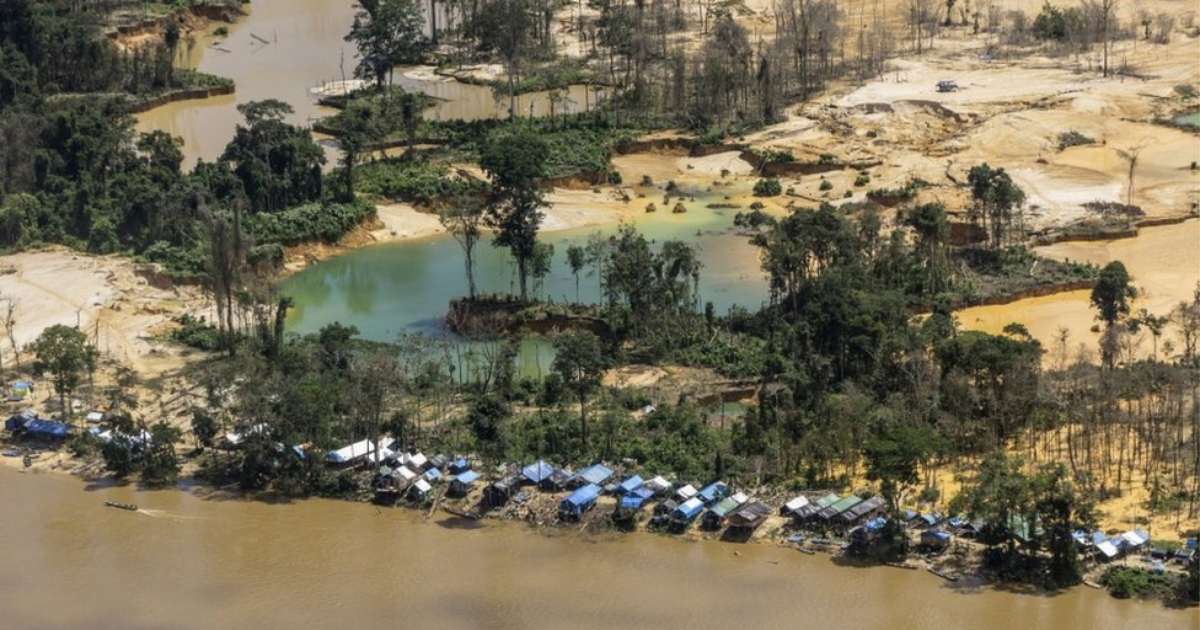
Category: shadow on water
<point>460,522</point>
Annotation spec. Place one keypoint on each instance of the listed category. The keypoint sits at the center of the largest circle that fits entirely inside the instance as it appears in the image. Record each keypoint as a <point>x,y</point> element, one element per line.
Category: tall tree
<point>359,126</point>
<point>579,361</point>
<point>1111,297</point>
<point>464,217</point>
<point>279,164</point>
<point>387,33</point>
<point>515,160</point>
<point>66,354</point>
<point>507,28</point>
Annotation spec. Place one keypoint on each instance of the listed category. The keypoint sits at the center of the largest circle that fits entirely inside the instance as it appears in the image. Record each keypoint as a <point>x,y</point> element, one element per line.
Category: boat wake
<point>167,515</point>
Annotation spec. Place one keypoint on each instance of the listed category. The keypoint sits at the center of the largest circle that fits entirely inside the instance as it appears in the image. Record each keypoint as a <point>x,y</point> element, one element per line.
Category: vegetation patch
<point>326,222</point>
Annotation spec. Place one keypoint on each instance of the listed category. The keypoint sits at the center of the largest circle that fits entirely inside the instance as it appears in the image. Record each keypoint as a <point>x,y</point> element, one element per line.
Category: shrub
<point>767,188</point>
<point>416,181</point>
<point>309,222</point>
<point>826,185</point>
<point>773,156</point>
<point>1125,582</point>
<point>1072,138</point>
<point>862,180</point>
<point>195,332</point>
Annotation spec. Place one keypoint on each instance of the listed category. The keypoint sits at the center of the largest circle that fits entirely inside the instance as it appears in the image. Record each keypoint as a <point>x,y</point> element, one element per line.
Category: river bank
<point>245,563</point>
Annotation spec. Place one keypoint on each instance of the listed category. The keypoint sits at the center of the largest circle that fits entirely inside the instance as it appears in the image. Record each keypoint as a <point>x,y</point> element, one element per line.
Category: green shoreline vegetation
<point>848,389</point>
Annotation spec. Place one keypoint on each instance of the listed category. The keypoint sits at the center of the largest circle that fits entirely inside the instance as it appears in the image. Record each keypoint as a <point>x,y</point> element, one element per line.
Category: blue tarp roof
<point>1098,537</point>
<point>459,465</point>
<point>22,385</point>
<point>936,535</point>
<point>433,474</point>
<point>631,484</point>
<point>689,509</point>
<point>537,471</point>
<point>596,473</point>
<point>875,524</point>
<point>582,497</point>
<point>636,499</point>
<point>47,428</point>
<point>713,491</point>
<point>467,478</point>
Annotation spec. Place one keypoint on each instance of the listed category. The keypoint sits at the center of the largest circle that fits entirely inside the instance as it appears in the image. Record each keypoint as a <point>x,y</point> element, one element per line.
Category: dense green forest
<point>75,171</point>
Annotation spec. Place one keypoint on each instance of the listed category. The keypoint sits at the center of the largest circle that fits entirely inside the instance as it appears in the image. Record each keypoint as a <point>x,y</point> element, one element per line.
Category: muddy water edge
<point>189,561</point>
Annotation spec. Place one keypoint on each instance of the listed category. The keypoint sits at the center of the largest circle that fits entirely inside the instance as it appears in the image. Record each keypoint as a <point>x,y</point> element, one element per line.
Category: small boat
<point>121,506</point>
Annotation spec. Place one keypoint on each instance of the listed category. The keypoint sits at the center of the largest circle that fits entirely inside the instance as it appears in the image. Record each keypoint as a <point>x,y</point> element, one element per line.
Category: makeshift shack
<point>713,492</point>
<point>935,539</point>
<point>420,491</point>
<point>750,517</point>
<point>714,518</point>
<point>860,511</point>
<point>793,505</point>
<point>595,474</point>
<point>810,511</point>
<point>685,493</point>
<point>659,485</point>
<point>687,512</point>
<point>840,506</point>
<point>537,472</point>
<point>578,502</point>
<point>557,481</point>
<point>462,483</point>
<point>500,491</point>
<point>629,485</point>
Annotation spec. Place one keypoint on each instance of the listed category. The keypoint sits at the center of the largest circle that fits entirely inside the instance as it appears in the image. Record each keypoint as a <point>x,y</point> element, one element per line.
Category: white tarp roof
<point>362,448</point>
<point>95,416</point>
<point>796,504</point>
<point>406,473</point>
<point>659,484</point>
<point>687,491</point>
<point>417,461</point>
<point>1134,538</point>
<point>1108,549</point>
<point>740,498</point>
<point>423,486</point>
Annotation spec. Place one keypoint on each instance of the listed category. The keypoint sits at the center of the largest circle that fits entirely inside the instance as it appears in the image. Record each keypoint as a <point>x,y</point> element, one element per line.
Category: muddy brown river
<point>184,561</point>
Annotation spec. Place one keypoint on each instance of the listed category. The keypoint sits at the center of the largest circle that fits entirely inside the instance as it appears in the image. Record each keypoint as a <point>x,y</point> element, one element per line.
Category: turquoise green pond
<point>1192,119</point>
<point>405,287</point>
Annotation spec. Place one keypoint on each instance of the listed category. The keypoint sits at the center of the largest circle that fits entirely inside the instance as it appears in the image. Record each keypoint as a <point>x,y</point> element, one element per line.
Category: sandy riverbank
<point>123,307</point>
